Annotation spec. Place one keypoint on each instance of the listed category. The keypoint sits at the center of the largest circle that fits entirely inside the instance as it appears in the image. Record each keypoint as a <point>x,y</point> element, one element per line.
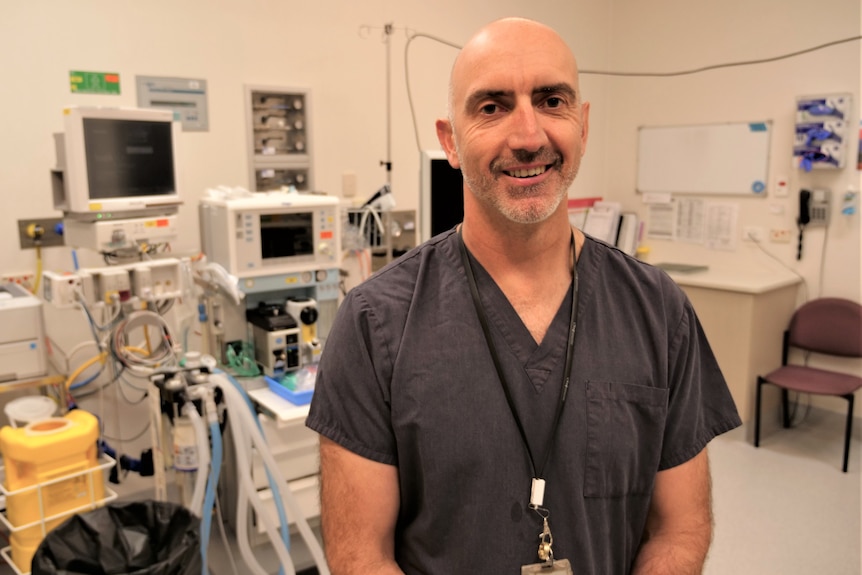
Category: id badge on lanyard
<point>558,566</point>
<point>548,564</point>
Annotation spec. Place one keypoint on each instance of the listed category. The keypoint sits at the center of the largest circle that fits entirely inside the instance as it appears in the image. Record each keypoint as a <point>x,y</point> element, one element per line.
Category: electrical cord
<point>823,261</point>
<point>130,439</point>
<point>410,39</point>
<point>38,269</point>
<point>130,384</point>
<point>725,65</point>
<point>117,307</point>
<point>785,266</point>
<point>146,362</point>
<point>411,35</point>
<point>125,397</point>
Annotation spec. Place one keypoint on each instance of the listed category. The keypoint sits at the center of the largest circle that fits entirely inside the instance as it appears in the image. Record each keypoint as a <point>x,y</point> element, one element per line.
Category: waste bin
<point>140,538</point>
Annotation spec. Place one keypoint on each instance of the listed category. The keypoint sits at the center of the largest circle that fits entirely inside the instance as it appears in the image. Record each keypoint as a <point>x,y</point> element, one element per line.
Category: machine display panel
<point>286,235</point>
<point>128,158</point>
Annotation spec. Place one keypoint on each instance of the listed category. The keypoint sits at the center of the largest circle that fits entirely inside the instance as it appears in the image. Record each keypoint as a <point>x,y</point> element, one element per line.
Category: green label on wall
<point>94,82</point>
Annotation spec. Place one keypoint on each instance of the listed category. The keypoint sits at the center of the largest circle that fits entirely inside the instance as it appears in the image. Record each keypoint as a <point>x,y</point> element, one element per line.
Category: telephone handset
<point>804,207</point>
<point>813,211</point>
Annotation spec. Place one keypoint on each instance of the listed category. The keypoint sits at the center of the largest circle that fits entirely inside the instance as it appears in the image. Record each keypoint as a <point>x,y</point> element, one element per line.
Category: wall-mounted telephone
<point>814,207</point>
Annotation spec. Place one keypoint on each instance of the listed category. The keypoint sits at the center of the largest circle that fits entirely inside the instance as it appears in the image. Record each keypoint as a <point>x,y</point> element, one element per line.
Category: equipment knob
<point>308,315</point>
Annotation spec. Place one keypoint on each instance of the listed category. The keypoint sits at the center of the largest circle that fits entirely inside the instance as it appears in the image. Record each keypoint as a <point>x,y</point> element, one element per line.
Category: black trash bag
<point>138,538</point>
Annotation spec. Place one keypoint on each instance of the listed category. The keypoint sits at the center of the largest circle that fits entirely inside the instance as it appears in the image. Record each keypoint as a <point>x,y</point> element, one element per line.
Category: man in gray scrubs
<point>514,396</point>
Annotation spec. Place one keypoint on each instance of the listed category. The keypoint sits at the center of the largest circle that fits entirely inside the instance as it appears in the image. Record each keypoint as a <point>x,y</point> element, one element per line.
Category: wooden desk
<point>744,316</point>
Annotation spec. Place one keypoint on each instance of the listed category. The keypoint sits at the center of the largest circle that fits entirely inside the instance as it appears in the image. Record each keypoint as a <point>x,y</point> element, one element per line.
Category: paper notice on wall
<point>695,221</point>
<point>690,220</point>
<point>721,226</point>
<point>661,221</point>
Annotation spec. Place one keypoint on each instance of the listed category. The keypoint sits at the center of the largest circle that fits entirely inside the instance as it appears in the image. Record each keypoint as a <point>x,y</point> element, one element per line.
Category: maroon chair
<point>828,326</point>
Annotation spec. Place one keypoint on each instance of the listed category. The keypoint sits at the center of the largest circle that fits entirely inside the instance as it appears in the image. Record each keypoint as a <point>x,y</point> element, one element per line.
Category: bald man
<point>514,396</point>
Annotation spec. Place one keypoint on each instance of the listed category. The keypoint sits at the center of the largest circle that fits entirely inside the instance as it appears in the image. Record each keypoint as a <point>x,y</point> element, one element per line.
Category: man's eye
<point>489,109</point>
<point>554,102</point>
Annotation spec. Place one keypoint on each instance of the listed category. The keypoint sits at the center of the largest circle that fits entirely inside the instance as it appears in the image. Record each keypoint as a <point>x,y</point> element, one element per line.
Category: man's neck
<point>538,250</point>
<point>533,270</point>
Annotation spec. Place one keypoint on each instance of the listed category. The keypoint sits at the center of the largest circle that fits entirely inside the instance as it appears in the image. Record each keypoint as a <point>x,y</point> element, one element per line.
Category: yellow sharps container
<point>39,459</point>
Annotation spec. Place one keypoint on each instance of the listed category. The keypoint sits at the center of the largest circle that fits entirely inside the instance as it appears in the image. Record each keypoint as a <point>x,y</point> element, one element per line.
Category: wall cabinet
<point>279,138</point>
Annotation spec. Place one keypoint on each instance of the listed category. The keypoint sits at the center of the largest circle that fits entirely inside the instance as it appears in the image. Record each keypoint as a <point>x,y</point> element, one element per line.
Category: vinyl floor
<point>786,508</point>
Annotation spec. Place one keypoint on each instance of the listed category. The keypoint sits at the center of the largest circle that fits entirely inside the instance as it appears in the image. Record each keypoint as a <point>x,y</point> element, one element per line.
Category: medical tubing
<point>223,533</point>
<point>70,381</point>
<point>248,414</point>
<point>286,493</point>
<point>212,481</point>
<point>87,381</point>
<point>209,497</point>
<point>202,441</point>
<point>242,502</point>
<point>240,425</point>
<point>273,485</point>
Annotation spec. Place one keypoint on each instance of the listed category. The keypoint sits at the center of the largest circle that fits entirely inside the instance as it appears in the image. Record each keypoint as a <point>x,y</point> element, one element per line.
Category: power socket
<point>780,236</point>
<point>49,236</point>
<point>24,279</point>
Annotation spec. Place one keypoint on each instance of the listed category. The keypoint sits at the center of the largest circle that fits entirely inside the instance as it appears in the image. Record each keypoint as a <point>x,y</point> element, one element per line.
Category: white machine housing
<point>108,235</point>
<point>149,281</point>
<point>22,335</point>
<point>116,163</point>
<point>271,233</point>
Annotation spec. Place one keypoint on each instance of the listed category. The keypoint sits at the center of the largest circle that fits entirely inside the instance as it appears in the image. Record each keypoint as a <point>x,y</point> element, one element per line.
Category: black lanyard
<point>567,374</point>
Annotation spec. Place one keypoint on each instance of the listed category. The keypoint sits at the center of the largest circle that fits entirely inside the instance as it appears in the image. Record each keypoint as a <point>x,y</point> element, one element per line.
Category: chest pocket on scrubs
<point>625,427</point>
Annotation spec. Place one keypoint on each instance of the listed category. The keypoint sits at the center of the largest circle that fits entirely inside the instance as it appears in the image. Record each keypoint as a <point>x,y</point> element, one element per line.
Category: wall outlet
<point>780,236</point>
<point>348,184</point>
<point>754,234</point>
<point>49,237</point>
<point>24,279</point>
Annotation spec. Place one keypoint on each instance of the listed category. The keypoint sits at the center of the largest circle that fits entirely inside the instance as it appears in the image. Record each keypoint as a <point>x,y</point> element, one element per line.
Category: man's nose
<point>526,131</point>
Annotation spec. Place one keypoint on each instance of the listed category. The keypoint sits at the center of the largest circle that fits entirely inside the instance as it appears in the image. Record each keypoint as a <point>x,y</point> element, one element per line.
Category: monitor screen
<point>286,235</point>
<point>442,189</point>
<point>116,163</point>
<point>127,158</point>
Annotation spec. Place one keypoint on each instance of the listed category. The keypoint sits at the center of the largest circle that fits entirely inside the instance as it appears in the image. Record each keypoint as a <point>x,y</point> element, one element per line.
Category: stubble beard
<point>510,200</point>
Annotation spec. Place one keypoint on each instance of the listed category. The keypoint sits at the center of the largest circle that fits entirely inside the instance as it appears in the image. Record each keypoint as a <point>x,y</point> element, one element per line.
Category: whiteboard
<point>707,159</point>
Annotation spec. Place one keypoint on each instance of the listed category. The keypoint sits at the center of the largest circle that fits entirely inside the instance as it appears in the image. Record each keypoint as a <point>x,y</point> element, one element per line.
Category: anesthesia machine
<point>285,250</point>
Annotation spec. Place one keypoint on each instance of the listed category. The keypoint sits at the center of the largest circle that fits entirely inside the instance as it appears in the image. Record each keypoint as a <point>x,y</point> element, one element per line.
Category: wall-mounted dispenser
<point>821,131</point>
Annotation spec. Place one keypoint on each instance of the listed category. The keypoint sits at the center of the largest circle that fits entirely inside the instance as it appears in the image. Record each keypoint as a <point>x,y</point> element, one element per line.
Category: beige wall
<point>318,45</point>
<point>674,35</point>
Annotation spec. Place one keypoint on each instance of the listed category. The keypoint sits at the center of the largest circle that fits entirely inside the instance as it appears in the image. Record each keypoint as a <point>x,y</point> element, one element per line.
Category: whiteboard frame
<point>724,159</point>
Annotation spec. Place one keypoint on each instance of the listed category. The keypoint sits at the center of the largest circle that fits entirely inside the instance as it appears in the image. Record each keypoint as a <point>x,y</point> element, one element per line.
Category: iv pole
<point>387,39</point>
<point>388,29</point>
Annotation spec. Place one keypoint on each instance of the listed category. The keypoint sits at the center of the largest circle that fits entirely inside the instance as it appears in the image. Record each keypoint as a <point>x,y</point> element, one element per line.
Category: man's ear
<point>585,126</point>
<point>447,140</point>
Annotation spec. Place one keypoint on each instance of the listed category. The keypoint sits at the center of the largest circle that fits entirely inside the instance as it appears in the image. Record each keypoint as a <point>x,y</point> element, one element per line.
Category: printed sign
<point>94,82</point>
